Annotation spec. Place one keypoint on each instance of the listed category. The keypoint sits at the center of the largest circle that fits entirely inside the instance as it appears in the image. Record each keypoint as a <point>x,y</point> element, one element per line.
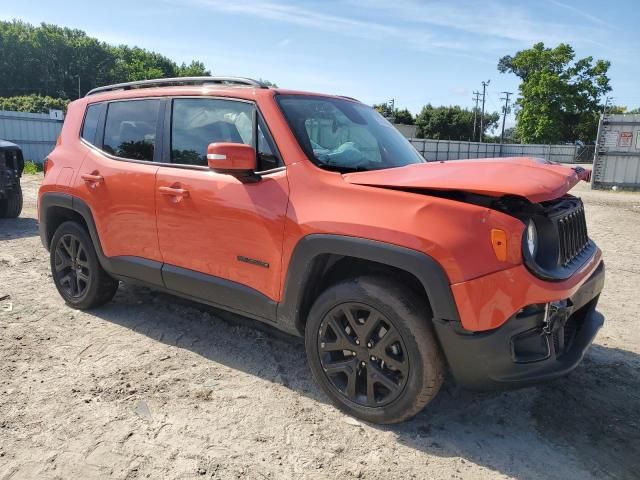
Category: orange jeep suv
<point>313,214</point>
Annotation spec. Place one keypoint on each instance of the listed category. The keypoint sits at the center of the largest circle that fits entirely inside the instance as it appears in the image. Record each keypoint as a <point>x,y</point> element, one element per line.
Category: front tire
<point>371,347</point>
<point>11,206</point>
<point>77,273</point>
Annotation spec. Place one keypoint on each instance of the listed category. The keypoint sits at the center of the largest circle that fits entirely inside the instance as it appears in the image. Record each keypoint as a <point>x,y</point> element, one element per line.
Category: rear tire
<point>367,374</point>
<point>11,206</point>
<point>77,273</point>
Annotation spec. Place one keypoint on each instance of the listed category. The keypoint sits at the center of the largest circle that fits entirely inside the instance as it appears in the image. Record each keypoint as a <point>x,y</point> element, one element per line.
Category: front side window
<point>345,136</point>
<point>130,129</point>
<point>91,119</point>
<point>198,122</point>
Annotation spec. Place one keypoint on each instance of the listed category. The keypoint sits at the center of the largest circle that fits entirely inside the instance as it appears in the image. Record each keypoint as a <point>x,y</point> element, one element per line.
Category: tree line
<point>443,122</point>
<point>560,99</point>
<point>64,63</point>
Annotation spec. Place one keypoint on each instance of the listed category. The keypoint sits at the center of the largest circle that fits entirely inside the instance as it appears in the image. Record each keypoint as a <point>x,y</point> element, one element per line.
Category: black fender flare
<point>426,269</point>
<point>148,271</point>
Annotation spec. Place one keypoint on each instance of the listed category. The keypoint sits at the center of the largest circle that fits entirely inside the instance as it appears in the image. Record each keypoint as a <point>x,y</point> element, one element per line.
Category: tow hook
<point>555,315</point>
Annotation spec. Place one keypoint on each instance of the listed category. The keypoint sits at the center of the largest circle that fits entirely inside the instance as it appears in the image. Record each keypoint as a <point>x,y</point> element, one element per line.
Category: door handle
<point>92,178</point>
<point>174,192</point>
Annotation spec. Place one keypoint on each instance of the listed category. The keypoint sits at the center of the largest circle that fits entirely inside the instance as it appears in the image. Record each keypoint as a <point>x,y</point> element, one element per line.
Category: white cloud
<point>579,12</point>
<point>487,19</point>
<point>418,38</point>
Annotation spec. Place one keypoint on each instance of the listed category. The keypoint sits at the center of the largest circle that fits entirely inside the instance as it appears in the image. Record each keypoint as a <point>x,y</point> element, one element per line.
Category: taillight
<point>59,140</point>
<point>45,164</point>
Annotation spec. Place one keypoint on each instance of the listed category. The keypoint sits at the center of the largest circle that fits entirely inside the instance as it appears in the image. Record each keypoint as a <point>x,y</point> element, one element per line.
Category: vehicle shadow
<point>587,422</point>
<point>21,227</point>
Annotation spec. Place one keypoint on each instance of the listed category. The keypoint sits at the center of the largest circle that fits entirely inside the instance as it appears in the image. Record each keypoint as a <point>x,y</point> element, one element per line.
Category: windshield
<point>345,136</point>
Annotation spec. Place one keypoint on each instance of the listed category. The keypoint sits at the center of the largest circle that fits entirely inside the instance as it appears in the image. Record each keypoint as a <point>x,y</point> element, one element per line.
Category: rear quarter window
<point>91,119</point>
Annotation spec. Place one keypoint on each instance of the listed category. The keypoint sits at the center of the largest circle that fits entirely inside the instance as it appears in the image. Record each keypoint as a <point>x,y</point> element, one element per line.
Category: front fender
<point>427,270</point>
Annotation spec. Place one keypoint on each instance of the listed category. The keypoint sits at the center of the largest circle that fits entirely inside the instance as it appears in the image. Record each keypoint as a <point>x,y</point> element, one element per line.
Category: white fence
<point>457,150</point>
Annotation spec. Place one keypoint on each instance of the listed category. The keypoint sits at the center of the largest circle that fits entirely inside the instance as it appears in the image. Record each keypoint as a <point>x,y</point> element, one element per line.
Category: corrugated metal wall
<point>456,150</point>
<point>617,160</point>
<point>35,133</point>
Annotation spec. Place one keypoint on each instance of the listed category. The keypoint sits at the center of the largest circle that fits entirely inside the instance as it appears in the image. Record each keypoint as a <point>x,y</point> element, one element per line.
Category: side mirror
<point>235,159</point>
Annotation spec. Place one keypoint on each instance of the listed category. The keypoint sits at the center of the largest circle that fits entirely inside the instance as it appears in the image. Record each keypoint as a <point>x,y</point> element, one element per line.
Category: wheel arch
<point>56,208</point>
<point>320,260</point>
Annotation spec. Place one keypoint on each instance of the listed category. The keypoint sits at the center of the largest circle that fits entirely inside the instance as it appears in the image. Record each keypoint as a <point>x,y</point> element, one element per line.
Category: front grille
<point>572,230</point>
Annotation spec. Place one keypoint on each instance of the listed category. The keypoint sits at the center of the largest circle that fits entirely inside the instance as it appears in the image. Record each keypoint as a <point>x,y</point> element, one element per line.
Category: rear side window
<point>91,119</point>
<point>130,129</point>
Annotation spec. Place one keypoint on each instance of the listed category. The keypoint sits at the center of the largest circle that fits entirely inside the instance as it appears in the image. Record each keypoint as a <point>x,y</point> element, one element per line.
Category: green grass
<point>32,167</point>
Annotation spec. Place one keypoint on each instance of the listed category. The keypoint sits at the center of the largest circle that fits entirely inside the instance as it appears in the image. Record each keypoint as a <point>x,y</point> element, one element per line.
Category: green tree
<point>267,83</point>
<point>194,69</point>
<point>57,61</point>
<point>402,116</point>
<point>559,96</point>
<point>32,104</point>
<point>383,109</point>
<point>452,123</point>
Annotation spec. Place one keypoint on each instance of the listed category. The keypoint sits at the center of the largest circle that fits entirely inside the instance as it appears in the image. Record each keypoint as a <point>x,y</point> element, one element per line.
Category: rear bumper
<point>541,342</point>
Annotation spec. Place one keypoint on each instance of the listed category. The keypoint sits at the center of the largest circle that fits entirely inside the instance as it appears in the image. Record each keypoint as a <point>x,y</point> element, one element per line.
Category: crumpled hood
<point>535,179</point>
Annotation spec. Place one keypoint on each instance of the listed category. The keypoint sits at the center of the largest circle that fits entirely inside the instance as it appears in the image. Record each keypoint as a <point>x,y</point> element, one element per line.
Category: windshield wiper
<point>340,168</point>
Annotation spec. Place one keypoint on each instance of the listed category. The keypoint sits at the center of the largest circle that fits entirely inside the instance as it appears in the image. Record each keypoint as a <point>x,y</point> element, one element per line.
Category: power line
<point>504,112</point>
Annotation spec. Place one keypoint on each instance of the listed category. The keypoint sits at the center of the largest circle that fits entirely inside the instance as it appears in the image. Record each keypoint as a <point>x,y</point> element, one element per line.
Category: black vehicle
<point>11,167</point>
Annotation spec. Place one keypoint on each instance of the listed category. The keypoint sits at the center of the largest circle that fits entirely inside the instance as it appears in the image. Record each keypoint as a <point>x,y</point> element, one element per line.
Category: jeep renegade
<point>313,214</point>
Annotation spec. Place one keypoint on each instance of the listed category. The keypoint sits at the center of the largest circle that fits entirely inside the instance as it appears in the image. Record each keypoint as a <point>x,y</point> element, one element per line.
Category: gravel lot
<point>151,386</point>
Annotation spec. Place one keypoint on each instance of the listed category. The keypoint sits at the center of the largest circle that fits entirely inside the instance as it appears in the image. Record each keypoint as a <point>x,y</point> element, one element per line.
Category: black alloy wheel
<point>77,273</point>
<point>363,354</point>
<point>371,347</point>
<point>71,264</point>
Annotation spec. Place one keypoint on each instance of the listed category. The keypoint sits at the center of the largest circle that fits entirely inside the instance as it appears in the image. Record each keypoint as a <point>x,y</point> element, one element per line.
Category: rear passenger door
<point>117,181</point>
<point>222,240</point>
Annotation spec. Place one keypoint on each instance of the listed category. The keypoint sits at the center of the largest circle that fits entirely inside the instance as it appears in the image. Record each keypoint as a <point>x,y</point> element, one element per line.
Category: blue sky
<point>412,50</point>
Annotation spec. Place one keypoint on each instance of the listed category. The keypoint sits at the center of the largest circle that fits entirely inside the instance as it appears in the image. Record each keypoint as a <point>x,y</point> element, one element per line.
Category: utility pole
<point>476,98</point>
<point>484,94</point>
<point>79,86</point>
<point>390,108</point>
<point>505,110</point>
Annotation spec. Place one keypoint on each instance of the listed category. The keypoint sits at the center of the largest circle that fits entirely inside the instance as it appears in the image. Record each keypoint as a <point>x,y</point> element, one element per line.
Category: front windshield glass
<point>345,136</point>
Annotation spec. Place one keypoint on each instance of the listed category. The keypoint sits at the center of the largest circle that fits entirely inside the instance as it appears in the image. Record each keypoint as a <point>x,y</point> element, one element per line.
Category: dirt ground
<point>150,386</point>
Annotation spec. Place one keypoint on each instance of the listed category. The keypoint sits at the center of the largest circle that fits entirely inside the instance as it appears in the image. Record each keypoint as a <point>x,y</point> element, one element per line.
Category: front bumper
<point>539,343</point>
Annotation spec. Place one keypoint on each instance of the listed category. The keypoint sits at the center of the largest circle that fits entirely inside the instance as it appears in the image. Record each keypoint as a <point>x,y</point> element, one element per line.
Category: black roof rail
<point>179,81</point>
